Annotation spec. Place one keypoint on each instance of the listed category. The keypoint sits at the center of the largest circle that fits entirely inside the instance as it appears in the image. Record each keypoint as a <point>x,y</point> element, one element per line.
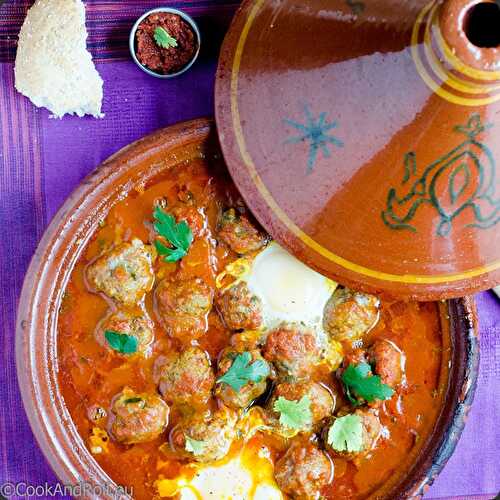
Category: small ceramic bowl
<point>188,19</point>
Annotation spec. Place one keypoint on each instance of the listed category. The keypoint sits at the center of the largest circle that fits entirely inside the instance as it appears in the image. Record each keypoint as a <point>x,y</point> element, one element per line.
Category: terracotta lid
<point>365,137</point>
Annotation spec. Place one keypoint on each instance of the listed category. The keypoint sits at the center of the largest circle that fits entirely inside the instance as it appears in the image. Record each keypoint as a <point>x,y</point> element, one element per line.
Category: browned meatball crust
<point>183,306</point>
<point>322,400</point>
<point>137,418</point>
<point>293,349</point>
<point>185,378</point>
<point>354,357</point>
<point>240,308</point>
<point>192,216</point>
<point>389,362</point>
<point>238,233</point>
<point>303,471</point>
<point>125,273</point>
<point>211,435</point>
<point>130,322</point>
<point>348,315</point>
<point>249,392</point>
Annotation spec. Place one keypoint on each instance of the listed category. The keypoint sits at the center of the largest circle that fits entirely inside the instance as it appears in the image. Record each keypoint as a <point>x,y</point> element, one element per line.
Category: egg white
<point>289,290</point>
<point>231,481</point>
<point>249,473</point>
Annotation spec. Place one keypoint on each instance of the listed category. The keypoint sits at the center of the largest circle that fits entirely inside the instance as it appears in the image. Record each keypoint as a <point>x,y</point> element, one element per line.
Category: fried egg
<point>288,289</point>
<point>247,472</point>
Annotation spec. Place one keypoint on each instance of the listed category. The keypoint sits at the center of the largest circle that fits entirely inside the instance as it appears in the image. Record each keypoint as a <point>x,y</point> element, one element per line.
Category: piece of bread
<point>53,67</point>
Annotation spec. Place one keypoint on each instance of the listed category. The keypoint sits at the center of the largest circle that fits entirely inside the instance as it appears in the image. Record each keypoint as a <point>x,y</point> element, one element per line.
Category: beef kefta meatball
<point>192,216</point>
<point>124,273</point>
<point>130,322</point>
<point>206,438</point>
<point>348,315</point>
<point>303,471</point>
<point>182,306</point>
<point>388,362</point>
<point>293,349</point>
<point>238,233</point>
<point>322,401</point>
<point>240,308</point>
<point>137,418</point>
<point>250,391</point>
<point>186,378</point>
<point>370,434</point>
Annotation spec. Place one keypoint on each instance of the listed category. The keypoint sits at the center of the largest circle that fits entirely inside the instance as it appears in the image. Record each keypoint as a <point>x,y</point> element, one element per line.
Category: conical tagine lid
<point>365,137</point>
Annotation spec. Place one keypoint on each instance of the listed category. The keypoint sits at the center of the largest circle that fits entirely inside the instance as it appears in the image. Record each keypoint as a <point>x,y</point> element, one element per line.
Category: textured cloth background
<point>42,160</point>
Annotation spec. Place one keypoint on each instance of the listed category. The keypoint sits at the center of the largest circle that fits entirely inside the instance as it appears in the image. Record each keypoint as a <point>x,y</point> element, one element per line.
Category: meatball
<point>371,433</point>
<point>355,357</point>
<point>303,471</point>
<point>389,362</point>
<point>137,418</point>
<point>186,378</point>
<point>322,400</point>
<point>133,323</point>
<point>293,349</point>
<point>125,273</point>
<point>249,392</point>
<point>206,438</point>
<point>241,309</point>
<point>238,233</point>
<point>183,306</point>
<point>348,315</point>
<point>192,216</point>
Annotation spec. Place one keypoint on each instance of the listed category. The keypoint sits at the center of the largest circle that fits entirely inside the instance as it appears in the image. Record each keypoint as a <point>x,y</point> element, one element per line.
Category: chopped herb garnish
<point>121,342</point>
<point>193,446</point>
<point>294,414</point>
<point>163,38</point>
<point>360,385</point>
<point>242,372</point>
<point>346,434</point>
<point>132,400</point>
<point>178,235</point>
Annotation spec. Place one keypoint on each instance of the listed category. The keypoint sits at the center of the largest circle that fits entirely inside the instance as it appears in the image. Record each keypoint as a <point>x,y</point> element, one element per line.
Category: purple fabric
<point>42,160</point>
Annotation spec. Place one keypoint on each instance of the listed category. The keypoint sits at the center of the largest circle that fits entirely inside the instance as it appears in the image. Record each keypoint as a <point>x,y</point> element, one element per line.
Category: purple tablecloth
<point>42,160</point>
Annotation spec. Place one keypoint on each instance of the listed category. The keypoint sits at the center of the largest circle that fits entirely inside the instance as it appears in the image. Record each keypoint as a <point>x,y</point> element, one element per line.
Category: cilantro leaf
<point>346,434</point>
<point>121,342</point>
<point>193,446</point>
<point>294,414</point>
<point>242,372</point>
<point>178,235</point>
<point>163,38</point>
<point>361,385</point>
<point>132,400</point>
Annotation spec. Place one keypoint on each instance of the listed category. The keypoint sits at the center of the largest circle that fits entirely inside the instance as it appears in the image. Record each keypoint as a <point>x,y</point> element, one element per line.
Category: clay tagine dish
<point>365,138</point>
<point>146,366</point>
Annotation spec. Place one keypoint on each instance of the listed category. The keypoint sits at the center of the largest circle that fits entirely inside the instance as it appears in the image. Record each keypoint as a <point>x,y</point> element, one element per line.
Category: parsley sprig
<point>178,235</point>
<point>163,38</point>
<point>360,385</point>
<point>121,342</point>
<point>294,414</point>
<point>194,446</point>
<point>346,434</point>
<point>242,372</point>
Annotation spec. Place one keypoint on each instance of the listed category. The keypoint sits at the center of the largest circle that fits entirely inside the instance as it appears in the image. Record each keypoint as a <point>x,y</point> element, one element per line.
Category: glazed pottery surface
<point>60,248</point>
<point>364,137</point>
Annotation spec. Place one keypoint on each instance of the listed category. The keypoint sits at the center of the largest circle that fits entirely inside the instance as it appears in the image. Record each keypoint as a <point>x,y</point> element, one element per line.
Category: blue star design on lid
<point>314,131</point>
